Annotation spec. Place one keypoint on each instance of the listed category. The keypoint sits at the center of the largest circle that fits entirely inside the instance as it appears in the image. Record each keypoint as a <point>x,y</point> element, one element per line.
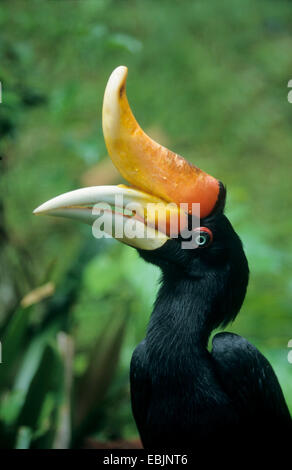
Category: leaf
<point>126,42</point>
<point>14,401</point>
<point>13,342</point>
<point>63,433</point>
<point>30,363</point>
<point>10,405</point>
<point>102,365</point>
<point>48,378</point>
<point>23,438</point>
<point>38,294</point>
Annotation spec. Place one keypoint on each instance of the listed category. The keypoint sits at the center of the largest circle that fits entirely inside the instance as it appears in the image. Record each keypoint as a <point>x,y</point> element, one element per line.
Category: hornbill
<point>183,394</point>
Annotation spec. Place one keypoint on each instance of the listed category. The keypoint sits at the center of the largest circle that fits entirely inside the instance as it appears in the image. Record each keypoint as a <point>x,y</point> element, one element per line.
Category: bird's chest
<point>186,404</point>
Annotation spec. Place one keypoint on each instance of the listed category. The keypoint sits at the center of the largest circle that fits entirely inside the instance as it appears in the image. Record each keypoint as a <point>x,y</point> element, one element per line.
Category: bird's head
<point>217,267</point>
<point>173,212</point>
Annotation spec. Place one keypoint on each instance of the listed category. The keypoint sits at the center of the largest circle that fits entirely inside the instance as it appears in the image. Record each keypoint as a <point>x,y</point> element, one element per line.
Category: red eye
<point>203,237</point>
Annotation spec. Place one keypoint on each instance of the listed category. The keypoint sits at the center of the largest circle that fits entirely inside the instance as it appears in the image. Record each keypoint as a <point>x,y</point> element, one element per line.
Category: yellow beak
<point>146,215</point>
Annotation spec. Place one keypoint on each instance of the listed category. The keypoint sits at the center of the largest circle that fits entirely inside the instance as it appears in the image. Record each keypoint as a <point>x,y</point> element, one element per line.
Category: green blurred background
<point>207,79</point>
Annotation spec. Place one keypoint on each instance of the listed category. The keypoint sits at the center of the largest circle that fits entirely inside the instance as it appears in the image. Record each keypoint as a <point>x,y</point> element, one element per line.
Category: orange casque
<point>144,163</point>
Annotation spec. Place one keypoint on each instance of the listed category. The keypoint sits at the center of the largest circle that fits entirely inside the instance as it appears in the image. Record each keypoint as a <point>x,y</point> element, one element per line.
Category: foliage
<point>208,79</point>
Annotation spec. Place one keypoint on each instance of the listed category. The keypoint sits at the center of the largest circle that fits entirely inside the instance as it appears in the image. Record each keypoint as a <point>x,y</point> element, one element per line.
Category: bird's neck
<point>180,322</point>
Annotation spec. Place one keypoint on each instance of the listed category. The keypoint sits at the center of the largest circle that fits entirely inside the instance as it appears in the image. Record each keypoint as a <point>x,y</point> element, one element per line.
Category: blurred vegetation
<point>209,80</point>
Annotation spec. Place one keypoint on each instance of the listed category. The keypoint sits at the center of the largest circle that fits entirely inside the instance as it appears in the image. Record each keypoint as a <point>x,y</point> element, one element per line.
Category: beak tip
<point>38,211</point>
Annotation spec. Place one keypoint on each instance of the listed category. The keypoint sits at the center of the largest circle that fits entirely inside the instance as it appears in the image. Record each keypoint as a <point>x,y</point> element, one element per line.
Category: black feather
<point>183,396</point>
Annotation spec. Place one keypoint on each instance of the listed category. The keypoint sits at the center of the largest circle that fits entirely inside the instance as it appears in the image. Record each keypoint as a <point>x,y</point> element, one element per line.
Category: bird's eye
<point>203,237</point>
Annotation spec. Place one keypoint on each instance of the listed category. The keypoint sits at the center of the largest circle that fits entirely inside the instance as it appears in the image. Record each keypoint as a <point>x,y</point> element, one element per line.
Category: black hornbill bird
<point>183,395</point>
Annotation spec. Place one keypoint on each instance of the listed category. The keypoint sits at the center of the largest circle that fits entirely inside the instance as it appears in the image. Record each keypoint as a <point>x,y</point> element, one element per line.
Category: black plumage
<point>182,394</point>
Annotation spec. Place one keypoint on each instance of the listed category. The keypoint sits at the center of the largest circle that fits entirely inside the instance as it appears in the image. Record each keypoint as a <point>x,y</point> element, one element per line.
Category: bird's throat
<point>180,325</point>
